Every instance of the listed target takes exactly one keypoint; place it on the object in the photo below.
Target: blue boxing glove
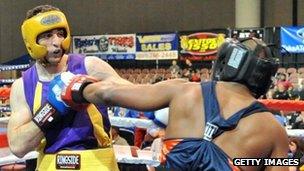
(57, 85)
(54, 108)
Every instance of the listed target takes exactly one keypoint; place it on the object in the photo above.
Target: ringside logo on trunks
(68, 161)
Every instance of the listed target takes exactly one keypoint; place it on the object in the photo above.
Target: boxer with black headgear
(74, 139)
(210, 123)
(237, 62)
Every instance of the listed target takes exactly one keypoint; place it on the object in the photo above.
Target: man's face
(282, 77)
(52, 41)
(281, 87)
(173, 62)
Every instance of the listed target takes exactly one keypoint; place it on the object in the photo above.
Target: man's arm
(101, 70)
(139, 97)
(23, 134)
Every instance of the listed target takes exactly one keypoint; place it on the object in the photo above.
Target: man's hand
(73, 94)
(54, 108)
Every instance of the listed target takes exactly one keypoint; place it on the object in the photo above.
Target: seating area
(295, 76)
(146, 76)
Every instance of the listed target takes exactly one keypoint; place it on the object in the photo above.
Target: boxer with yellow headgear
(73, 139)
(43, 22)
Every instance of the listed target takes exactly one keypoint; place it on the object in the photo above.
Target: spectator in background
(157, 79)
(296, 147)
(280, 92)
(195, 76)
(297, 91)
(151, 134)
(189, 69)
(189, 65)
(5, 94)
(294, 92)
(292, 118)
(116, 138)
(126, 132)
(157, 130)
(254, 34)
(282, 79)
(140, 133)
(298, 121)
(235, 37)
(269, 94)
(174, 69)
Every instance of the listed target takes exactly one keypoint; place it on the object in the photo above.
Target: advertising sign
(156, 46)
(110, 47)
(200, 45)
(292, 39)
(246, 33)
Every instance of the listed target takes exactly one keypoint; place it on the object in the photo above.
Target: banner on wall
(200, 45)
(246, 33)
(292, 39)
(159, 46)
(109, 47)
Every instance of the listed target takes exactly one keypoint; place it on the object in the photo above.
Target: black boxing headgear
(249, 62)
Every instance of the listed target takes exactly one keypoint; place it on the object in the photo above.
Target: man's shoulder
(92, 58)
(262, 132)
(92, 61)
(17, 83)
(188, 90)
(263, 123)
(17, 88)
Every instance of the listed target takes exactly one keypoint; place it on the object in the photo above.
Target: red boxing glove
(73, 94)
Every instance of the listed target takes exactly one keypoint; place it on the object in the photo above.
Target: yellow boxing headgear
(40, 23)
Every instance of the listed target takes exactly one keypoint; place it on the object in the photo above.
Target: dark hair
(40, 9)
(299, 142)
(157, 79)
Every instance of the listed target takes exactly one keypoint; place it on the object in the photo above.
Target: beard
(53, 57)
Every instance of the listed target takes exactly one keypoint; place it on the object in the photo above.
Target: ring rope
(7, 81)
(285, 105)
(4, 109)
(10, 159)
(144, 123)
(13, 67)
(130, 122)
(119, 121)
